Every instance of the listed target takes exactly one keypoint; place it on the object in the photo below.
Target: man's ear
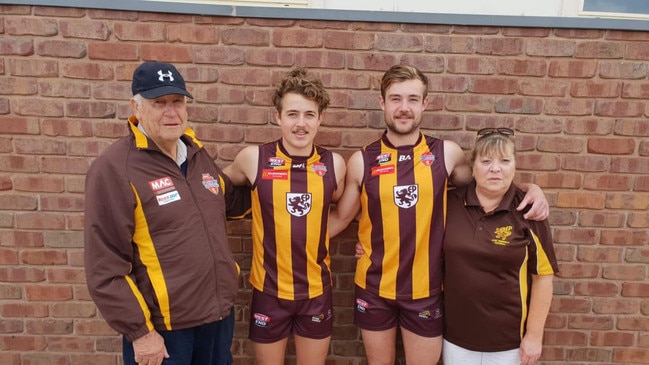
(134, 106)
(277, 116)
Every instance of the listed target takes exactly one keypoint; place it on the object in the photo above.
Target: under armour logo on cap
(162, 76)
(155, 79)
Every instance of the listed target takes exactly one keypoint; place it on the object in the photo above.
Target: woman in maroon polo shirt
(498, 267)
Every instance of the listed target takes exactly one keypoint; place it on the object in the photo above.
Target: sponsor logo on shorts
(435, 314)
(322, 317)
(361, 305)
(318, 319)
(261, 320)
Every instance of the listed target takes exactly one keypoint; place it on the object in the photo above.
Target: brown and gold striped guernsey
(403, 202)
(291, 197)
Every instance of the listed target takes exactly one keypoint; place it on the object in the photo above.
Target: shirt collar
(181, 150)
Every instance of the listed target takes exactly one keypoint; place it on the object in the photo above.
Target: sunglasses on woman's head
(502, 131)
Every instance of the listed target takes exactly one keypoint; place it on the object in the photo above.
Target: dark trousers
(207, 344)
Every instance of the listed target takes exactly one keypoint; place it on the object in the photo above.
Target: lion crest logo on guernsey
(406, 196)
(298, 204)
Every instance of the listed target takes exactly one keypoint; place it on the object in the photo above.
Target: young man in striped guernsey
(293, 185)
(400, 183)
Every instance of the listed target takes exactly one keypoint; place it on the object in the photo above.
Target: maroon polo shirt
(488, 262)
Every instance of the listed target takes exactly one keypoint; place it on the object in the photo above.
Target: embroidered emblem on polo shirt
(502, 234)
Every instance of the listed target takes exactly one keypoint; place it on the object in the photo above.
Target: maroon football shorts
(423, 317)
(272, 318)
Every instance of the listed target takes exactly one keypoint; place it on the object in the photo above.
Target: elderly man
(157, 260)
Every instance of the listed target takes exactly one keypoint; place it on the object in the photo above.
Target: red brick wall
(575, 97)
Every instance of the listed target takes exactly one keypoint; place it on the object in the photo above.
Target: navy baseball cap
(155, 79)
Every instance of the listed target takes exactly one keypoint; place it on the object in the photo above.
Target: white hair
(138, 99)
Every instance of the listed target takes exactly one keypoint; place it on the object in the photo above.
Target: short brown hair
(299, 81)
(493, 145)
(400, 73)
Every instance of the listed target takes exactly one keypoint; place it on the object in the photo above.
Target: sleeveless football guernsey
(291, 197)
(403, 209)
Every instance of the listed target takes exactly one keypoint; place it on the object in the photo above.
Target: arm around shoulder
(540, 209)
(243, 169)
(457, 165)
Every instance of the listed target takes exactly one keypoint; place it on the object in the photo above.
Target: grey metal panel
(345, 15)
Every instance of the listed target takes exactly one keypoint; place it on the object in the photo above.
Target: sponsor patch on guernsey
(270, 174)
(384, 158)
(427, 158)
(276, 162)
(167, 198)
(319, 168)
(382, 170)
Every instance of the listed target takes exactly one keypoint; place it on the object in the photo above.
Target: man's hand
(150, 349)
(540, 209)
(359, 250)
